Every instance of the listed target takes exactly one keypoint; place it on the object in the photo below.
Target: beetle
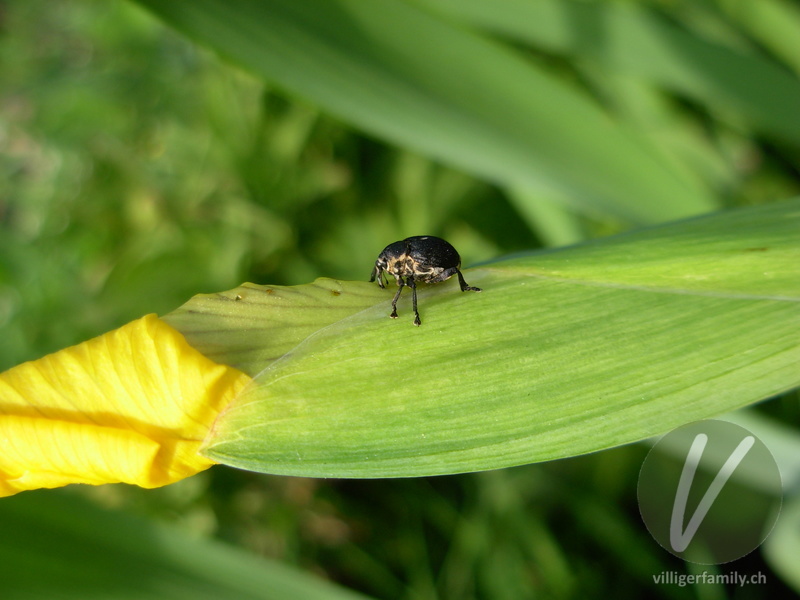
(418, 259)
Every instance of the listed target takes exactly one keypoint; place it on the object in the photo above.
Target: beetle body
(418, 259)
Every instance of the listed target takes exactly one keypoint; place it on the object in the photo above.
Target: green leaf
(415, 79)
(564, 352)
(632, 40)
(783, 545)
(252, 326)
(57, 545)
(772, 23)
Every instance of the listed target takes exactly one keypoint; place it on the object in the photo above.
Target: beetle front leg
(413, 285)
(400, 284)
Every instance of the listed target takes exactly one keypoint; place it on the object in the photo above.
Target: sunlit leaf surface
(563, 353)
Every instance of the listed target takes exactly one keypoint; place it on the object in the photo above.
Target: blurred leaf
(783, 546)
(774, 23)
(554, 223)
(58, 545)
(402, 73)
(628, 38)
(783, 442)
(563, 353)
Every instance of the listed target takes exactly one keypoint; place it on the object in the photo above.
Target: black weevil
(418, 259)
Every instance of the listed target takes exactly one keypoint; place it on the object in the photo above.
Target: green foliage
(107, 554)
(563, 353)
(632, 41)
(138, 170)
(476, 105)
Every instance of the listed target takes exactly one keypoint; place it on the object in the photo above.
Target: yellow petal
(133, 405)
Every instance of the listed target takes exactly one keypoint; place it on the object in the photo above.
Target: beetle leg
(463, 284)
(413, 285)
(400, 284)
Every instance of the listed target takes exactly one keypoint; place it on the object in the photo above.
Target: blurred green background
(138, 169)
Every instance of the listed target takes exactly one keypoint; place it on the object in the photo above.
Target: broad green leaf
(632, 40)
(57, 545)
(411, 77)
(252, 326)
(564, 352)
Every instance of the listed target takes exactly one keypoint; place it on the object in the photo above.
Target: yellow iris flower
(133, 405)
